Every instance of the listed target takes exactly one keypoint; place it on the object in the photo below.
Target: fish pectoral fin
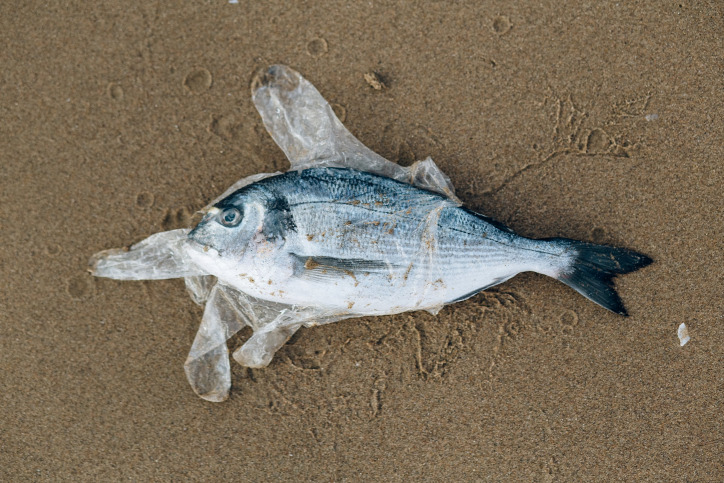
(331, 267)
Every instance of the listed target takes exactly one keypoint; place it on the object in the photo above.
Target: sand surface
(589, 121)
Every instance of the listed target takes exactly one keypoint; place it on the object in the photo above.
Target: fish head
(227, 228)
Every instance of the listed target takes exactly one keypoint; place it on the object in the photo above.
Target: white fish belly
(412, 273)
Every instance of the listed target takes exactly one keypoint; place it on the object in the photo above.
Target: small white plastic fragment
(683, 334)
(651, 117)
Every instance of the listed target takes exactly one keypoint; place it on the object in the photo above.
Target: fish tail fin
(593, 267)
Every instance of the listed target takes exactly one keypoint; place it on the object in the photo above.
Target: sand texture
(590, 120)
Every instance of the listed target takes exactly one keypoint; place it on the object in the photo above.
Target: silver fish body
(356, 242)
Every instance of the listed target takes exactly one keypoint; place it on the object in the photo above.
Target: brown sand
(120, 120)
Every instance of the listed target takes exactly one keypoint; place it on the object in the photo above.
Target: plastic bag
(305, 127)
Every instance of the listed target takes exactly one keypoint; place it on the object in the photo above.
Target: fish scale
(429, 250)
(458, 231)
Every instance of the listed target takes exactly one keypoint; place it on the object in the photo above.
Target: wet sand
(601, 123)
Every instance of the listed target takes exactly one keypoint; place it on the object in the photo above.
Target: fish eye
(230, 217)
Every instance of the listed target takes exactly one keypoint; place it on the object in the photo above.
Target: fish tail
(592, 268)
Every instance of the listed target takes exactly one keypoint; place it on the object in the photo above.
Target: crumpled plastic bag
(305, 127)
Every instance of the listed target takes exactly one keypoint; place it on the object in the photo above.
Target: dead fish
(344, 233)
(351, 241)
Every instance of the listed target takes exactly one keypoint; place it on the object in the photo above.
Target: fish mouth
(200, 237)
(201, 234)
(195, 234)
(198, 245)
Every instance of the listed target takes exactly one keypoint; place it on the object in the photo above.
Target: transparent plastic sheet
(305, 127)
(158, 257)
(199, 287)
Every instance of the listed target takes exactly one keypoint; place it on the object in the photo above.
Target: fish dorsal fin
(305, 127)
